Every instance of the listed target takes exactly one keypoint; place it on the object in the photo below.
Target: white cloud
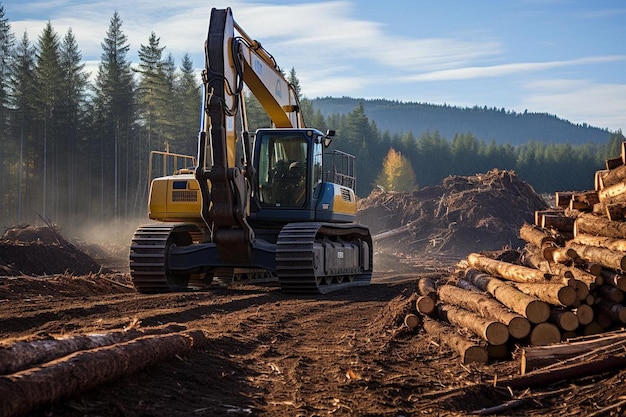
(579, 101)
(508, 69)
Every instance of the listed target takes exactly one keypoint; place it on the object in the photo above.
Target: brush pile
(567, 284)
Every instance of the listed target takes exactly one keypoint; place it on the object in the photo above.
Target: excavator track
(296, 263)
(148, 249)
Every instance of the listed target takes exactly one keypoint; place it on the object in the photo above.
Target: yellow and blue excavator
(279, 206)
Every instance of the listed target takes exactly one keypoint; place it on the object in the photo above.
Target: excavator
(276, 205)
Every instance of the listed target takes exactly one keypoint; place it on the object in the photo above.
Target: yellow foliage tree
(397, 173)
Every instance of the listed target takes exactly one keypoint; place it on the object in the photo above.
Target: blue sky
(563, 57)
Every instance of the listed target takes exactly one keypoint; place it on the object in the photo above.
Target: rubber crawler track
(147, 255)
(295, 263)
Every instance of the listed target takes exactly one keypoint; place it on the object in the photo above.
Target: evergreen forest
(75, 146)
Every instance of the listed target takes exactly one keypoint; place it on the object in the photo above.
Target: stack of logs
(567, 282)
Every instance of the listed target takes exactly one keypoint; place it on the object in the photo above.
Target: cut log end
(519, 327)
(497, 333)
(537, 311)
(475, 354)
(544, 334)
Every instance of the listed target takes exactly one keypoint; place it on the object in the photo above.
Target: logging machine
(277, 205)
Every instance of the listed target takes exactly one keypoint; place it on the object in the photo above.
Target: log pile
(567, 282)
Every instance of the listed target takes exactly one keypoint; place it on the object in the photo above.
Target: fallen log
(536, 236)
(606, 257)
(615, 211)
(559, 222)
(584, 314)
(614, 310)
(487, 307)
(555, 294)
(425, 304)
(562, 198)
(25, 354)
(597, 225)
(491, 331)
(559, 255)
(615, 279)
(392, 233)
(564, 319)
(611, 243)
(612, 177)
(511, 272)
(535, 310)
(469, 350)
(615, 295)
(26, 390)
(598, 181)
(412, 321)
(535, 357)
(544, 334)
(612, 191)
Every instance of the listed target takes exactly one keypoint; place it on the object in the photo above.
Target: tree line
(75, 145)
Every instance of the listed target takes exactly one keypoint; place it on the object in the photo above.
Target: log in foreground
(468, 350)
(555, 294)
(535, 310)
(26, 390)
(597, 225)
(518, 325)
(511, 272)
(607, 257)
(491, 331)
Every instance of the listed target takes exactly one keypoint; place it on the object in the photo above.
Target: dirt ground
(269, 353)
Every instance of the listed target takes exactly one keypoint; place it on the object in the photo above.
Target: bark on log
(614, 176)
(559, 255)
(598, 180)
(535, 310)
(25, 354)
(557, 222)
(536, 357)
(427, 287)
(487, 307)
(596, 225)
(615, 211)
(562, 198)
(536, 236)
(467, 349)
(544, 334)
(565, 319)
(578, 370)
(612, 191)
(615, 279)
(578, 278)
(606, 257)
(511, 272)
(555, 294)
(612, 243)
(613, 163)
(26, 390)
(616, 311)
(491, 331)
(615, 295)
(551, 211)
(392, 233)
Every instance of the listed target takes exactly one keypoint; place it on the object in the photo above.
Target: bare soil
(271, 354)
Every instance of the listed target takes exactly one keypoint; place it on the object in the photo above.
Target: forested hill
(486, 124)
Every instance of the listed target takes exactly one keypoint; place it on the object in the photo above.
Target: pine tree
(188, 103)
(23, 126)
(151, 90)
(113, 134)
(72, 114)
(49, 81)
(7, 41)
